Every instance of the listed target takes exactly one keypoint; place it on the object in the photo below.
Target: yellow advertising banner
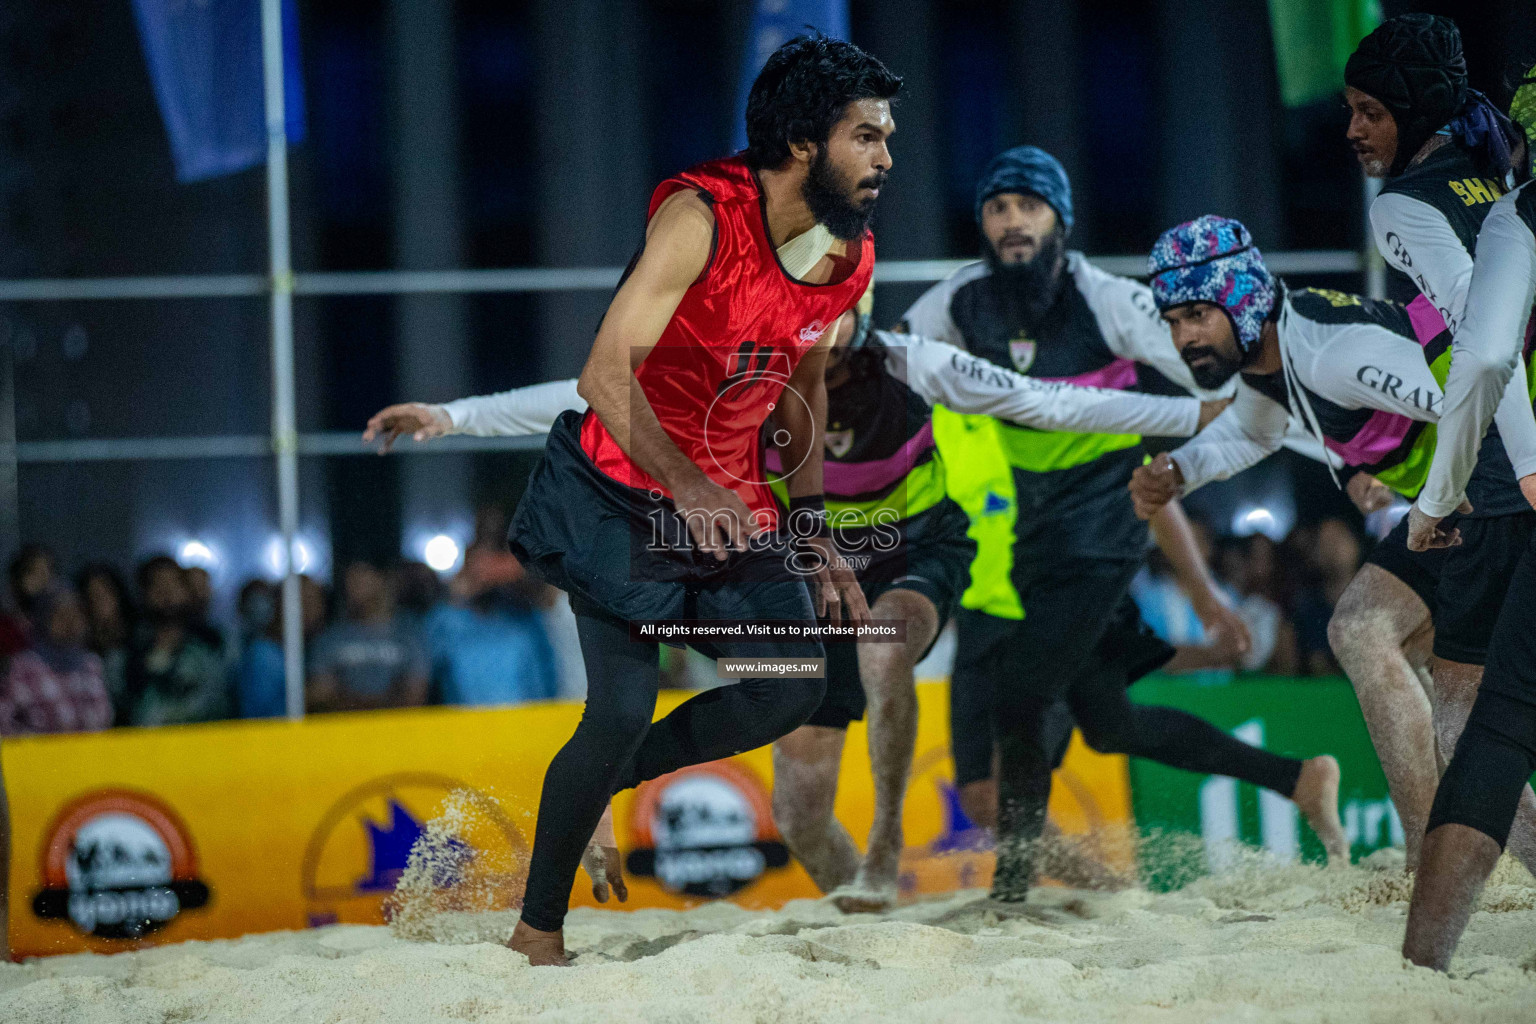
(141, 837)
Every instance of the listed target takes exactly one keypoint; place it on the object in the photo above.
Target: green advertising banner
(1298, 717)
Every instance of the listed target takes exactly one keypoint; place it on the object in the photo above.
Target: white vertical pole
(1375, 266)
(284, 431)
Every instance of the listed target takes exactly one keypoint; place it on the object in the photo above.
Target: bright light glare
(1252, 520)
(441, 553)
(1259, 519)
(197, 553)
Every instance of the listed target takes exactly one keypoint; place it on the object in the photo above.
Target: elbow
(596, 390)
(1497, 371)
(1482, 370)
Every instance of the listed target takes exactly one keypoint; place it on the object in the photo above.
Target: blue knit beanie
(1027, 169)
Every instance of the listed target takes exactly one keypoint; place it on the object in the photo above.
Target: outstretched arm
(944, 374)
(1416, 238)
(514, 413)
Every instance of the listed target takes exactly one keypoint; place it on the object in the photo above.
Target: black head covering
(1413, 65)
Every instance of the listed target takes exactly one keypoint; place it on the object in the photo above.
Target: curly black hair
(802, 91)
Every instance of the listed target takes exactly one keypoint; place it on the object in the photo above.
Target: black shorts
(1127, 643)
(626, 554)
(932, 559)
(1474, 581)
(1419, 569)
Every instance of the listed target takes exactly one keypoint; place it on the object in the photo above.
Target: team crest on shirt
(839, 442)
(812, 334)
(1022, 350)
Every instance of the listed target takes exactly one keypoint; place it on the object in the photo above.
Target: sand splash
(1263, 942)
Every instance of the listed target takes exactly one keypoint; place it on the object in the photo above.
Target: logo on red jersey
(812, 334)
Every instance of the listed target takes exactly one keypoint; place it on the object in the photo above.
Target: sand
(1294, 944)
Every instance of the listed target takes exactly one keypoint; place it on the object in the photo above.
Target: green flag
(1313, 39)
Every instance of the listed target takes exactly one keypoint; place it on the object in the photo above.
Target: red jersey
(721, 364)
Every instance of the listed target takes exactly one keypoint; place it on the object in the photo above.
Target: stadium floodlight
(197, 553)
(441, 553)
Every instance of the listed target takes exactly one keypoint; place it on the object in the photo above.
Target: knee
(1347, 628)
(621, 724)
(1358, 633)
(1107, 736)
(788, 702)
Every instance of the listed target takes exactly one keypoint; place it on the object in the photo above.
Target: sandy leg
(1456, 687)
(805, 769)
(886, 672)
(1376, 616)
(1456, 862)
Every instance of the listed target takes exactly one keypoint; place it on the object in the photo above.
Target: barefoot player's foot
(867, 893)
(874, 889)
(1317, 795)
(543, 949)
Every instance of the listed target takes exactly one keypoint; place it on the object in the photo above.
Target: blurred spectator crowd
(1284, 591)
(87, 651)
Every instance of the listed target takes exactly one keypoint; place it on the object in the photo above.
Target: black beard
(1215, 372)
(827, 196)
(1029, 290)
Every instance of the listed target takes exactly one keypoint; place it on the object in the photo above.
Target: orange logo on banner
(118, 864)
(706, 830)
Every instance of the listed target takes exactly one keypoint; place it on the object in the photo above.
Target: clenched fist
(1155, 485)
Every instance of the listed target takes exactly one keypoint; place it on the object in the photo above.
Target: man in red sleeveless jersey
(654, 504)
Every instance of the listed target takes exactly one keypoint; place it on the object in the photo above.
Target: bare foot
(861, 898)
(1317, 795)
(543, 949)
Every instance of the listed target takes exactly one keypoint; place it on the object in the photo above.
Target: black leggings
(616, 746)
(1051, 656)
(1496, 754)
(1114, 724)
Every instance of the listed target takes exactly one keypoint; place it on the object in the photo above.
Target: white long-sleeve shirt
(937, 372)
(1415, 238)
(1418, 239)
(1485, 360)
(1354, 367)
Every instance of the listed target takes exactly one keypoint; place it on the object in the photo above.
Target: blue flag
(205, 60)
(775, 23)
